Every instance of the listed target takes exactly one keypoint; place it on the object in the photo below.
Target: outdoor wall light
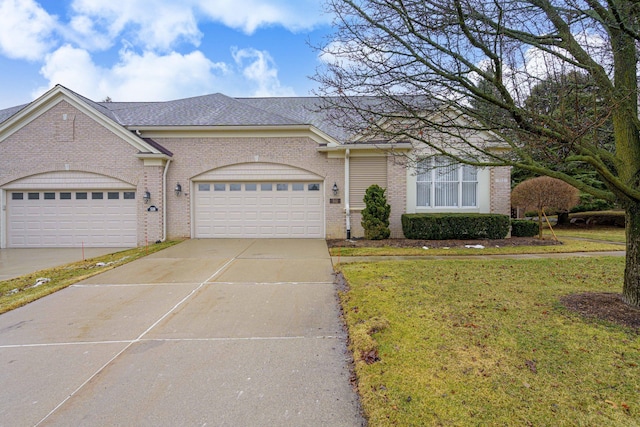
(178, 189)
(146, 197)
(335, 189)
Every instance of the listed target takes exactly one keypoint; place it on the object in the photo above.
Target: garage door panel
(314, 216)
(267, 215)
(51, 221)
(261, 211)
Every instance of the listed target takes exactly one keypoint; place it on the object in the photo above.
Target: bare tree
(543, 193)
(424, 64)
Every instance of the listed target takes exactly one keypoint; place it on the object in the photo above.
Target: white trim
(3, 219)
(61, 180)
(483, 195)
(381, 149)
(257, 171)
(347, 190)
(264, 131)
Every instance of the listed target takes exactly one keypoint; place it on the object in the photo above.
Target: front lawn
(487, 342)
(605, 234)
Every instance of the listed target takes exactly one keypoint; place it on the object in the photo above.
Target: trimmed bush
(606, 218)
(523, 228)
(444, 226)
(375, 216)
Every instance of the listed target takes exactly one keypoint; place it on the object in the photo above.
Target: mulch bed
(435, 244)
(604, 306)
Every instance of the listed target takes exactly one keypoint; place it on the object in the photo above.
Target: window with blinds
(364, 172)
(443, 183)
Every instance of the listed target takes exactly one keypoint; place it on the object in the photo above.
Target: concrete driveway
(16, 262)
(208, 332)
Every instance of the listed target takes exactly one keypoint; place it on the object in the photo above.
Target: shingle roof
(5, 114)
(208, 110)
(221, 110)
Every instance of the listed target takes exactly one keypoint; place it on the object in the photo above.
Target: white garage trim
(258, 171)
(67, 179)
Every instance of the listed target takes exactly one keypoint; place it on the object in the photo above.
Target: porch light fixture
(178, 189)
(335, 189)
(146, 197)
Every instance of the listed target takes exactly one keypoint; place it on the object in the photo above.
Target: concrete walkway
(208, 332)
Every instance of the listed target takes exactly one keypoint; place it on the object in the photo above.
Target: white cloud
(152, 24)
(259, 68)
(150, 76)
(161, 24)
(160, 77)
(136, 77)
(83, 32)
(248, 15)
(153, 65)
(25, 29)
(74, 68)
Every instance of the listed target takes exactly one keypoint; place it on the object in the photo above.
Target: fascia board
(403, 146)
(234, 132)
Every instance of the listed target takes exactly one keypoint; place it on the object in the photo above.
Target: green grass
(487, 343)
(568, 245)
(19, 291)
(608, 234)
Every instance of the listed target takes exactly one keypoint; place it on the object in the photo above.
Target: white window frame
(436, 174)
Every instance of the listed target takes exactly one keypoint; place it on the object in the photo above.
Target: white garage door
(98, 218)
(259, 209)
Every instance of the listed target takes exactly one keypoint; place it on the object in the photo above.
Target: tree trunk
(563, 218)
(631, 288)
(540, 223)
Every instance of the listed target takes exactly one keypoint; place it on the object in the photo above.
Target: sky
(157, 50)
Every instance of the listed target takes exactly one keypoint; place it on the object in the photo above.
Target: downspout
(346, 193)
(164, 201)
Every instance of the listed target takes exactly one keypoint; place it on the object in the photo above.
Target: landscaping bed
(435, 244)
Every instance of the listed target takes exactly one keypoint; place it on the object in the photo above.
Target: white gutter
(346, 193)
(164, 200)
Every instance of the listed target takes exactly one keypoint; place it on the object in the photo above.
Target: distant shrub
(589, 203)
(523, 228)
(455, 226)
(544, 194)
(603, 218)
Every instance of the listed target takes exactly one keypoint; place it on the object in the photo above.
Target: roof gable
(26, 114)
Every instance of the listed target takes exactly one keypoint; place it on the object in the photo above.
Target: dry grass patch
(488, 343)
(22, 290)
(567, 246)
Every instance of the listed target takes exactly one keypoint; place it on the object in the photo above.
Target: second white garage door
(259, 210)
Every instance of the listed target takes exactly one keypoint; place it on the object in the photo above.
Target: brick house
(77, 172)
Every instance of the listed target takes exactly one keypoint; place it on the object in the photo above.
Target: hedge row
(523, 228)
(455, 226)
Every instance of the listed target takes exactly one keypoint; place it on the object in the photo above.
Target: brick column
(152, 220)
(396, 193)
(501, 190)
